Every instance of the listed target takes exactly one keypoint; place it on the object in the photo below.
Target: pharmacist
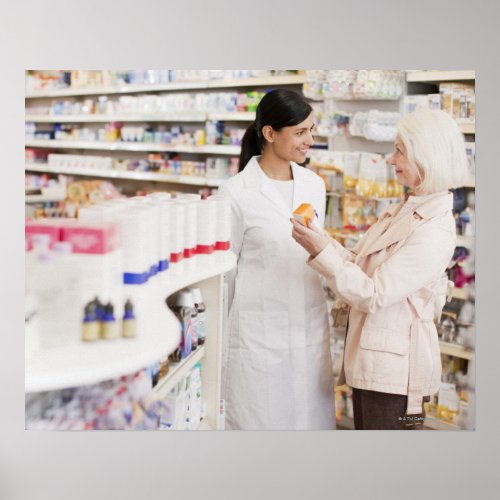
(278, 370)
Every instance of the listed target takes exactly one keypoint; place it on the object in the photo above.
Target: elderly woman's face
(406, 174)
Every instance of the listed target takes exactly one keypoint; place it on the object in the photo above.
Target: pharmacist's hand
(312, 240)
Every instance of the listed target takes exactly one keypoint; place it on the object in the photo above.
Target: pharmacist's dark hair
(278, 108)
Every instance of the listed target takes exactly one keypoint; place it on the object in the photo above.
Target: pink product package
(92, 240)
(32, 228)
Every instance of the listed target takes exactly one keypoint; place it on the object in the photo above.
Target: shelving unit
(419, 80)
(78, 363)
(125, 150)
(455, 350)
(45, 194)
(178, 371)
(130, 175)
(164, 117)
(440, 76)
(174, 86)
(134, 146)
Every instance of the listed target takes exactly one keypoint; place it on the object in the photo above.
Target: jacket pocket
(376, 338)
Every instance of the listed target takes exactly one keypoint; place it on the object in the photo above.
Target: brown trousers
(382, 411)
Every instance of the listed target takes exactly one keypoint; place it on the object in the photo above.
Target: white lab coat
(277, 372)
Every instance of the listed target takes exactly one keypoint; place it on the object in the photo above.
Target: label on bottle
(194, 329)
(202, 316)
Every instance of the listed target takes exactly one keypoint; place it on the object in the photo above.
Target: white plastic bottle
(202, 316)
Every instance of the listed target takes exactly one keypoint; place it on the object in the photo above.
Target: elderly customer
(393, 281)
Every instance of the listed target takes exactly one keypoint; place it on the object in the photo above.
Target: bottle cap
(184, 299)
(108, 312)
(90, 312)
(197, 297)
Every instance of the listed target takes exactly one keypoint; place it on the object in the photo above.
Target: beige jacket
(394, 282)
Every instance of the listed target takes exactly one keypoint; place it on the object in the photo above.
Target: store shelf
(142, 147)
(439, 76)
(455, 350)
(163, 117)
(199, 274)
(245, 116)
(177, 371)
(124, 174)
(210, 84)
(156, 117)
(125, 89)
(258, 82)
(434, 423)
(467, 128)
(466, 241)
(46, 194)
(80, 363)
(459, 293)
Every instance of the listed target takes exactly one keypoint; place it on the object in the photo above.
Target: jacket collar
(390, 228)
(254, 177)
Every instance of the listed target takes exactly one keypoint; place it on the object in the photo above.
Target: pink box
(33, 227)
(92, 240)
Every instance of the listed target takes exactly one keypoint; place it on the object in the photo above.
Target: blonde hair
(434, 145)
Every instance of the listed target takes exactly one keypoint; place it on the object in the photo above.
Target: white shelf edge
(195, 276)
(81, 363)
(232, 116)
(455, 350)
(211, 84)
(466, 241)
(459, 293)
(177, 371)
(439, 76)
(140, 147)
(130, 175)
(467, 128)
(165, 117)
(48, 194)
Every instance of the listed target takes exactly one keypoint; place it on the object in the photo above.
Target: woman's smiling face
(406, 174)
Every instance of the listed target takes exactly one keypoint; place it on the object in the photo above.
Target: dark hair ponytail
(251, 145)
(278, 108)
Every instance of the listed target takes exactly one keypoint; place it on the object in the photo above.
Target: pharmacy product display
(353, 84)
(453, 406)
(127, 403)
(134, 80)
(97, 289)
(183, 129)
(181, 125)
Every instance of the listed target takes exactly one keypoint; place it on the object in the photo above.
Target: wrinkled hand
(311, 239)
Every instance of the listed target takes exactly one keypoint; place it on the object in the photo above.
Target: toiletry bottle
(194, 324)
(90, 327)
(129, 327)
(99, 312)
(201, 319)
(183, 309)
(109, 325)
